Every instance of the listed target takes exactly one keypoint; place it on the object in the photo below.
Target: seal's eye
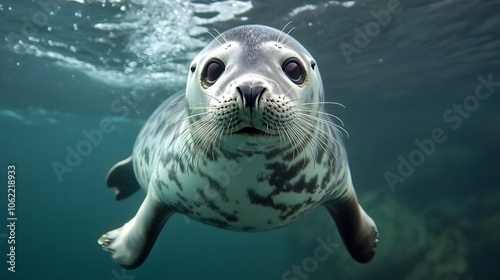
(213, 70)
(293, 69)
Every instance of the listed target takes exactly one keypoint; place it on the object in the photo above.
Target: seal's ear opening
(193, 68)
(313, 64)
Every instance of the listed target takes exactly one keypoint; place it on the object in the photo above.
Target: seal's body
(247, 147)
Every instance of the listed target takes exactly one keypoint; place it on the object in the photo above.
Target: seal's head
(254, 81)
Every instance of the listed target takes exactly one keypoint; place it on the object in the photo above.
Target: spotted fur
(266, 189)
(237, 159)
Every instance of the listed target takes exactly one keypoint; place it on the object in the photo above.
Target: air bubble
(132, 64)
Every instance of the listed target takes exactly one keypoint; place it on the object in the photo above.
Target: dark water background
(116, 60)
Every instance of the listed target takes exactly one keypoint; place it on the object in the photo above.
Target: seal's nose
(250, 95)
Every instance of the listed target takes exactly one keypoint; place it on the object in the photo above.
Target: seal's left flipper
(121, 177)
(357, 229)
(130, 245)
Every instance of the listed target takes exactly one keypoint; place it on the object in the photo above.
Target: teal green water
(419, 79)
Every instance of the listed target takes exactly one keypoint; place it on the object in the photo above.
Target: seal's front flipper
(121, 177)
(130, 245)
(357, 229)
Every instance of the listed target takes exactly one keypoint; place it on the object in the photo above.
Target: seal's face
(254, 82)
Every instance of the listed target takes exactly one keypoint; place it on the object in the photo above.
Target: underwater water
(420, 81)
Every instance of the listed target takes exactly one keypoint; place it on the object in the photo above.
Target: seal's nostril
(250, 95)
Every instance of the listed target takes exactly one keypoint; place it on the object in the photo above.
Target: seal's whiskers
(296, 135)
(215, 38)
(221, 35)
(280, 41)
(183, 110)
(176, 123)
(188, 136)
(333, 125)
(317, 134)
(202, 139)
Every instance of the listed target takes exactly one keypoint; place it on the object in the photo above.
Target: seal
(247, 147)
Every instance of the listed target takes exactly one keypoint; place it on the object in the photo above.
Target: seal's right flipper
(121, 177)
(357, 229)
(130, 245)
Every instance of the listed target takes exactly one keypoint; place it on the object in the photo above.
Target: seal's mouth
(250, 131)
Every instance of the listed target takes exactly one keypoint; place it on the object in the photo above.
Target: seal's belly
(240, 195)
(241, 192)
